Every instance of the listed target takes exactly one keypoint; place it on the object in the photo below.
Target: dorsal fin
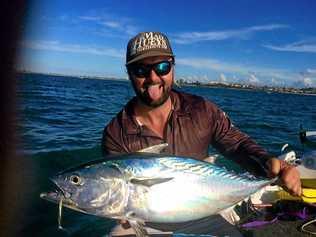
(156, 149)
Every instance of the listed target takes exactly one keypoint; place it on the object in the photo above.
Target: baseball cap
(147, 44)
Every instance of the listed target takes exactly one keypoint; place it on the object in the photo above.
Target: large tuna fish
(143, 187)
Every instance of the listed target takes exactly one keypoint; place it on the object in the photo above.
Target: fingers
(291, 181)
(289, 175)
(125, 224)
(274, 167)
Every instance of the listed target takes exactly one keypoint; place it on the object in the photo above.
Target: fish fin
(139, 228)
(156, 149)
(211, 159)
(230, 215)
(149, 181)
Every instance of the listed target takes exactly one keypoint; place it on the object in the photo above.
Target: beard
(145, 98)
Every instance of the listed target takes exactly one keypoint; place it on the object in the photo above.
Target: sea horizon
(214, 84)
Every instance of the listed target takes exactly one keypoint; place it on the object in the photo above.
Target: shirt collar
(129, 123)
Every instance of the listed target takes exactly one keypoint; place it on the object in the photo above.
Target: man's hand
(125, 224)
(288, 174)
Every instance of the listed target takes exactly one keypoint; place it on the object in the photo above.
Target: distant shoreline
(235, 86)
(267, 89)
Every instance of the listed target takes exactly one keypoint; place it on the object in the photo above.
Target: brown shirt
(194, 124)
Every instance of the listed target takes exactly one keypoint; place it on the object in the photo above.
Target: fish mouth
(62, 198)
(59, 195)
(55, 197)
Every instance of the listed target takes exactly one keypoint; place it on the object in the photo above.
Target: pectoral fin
(230, 214)
(149, 181)
(139, 228)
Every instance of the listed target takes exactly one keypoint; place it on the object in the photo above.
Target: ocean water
(61, 120)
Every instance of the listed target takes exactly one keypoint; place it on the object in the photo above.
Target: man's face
(152, 79)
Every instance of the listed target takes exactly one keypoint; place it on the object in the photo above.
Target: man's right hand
(125, 224)
(289, 175)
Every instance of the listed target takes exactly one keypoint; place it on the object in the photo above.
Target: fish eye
(75, 179)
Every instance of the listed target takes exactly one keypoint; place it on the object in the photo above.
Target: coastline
(267, 89)
(247, 87)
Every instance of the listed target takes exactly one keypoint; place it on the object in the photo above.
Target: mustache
(148, 84)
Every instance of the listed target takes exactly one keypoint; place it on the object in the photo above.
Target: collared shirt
(194, 123)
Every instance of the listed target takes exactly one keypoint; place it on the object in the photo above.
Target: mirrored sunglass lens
(163, 68)
(139, 71)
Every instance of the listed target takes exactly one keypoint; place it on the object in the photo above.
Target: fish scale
(203, 168)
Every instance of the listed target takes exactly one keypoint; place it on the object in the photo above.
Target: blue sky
(258, 42)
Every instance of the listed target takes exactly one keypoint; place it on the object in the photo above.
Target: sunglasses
(143, 70)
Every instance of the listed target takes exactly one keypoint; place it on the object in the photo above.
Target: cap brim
(147, 55)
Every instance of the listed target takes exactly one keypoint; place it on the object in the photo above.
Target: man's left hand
(288, 174)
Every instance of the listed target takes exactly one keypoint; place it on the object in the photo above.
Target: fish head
(93, 189)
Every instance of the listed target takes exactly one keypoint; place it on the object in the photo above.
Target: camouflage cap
(147, 44)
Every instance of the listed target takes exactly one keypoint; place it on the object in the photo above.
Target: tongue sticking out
(155, 92)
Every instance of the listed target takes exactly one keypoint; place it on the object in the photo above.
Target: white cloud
(204, 78)
(308, 73)
(73, 48)
(110, 22)
(222, 78)
(113, 24)
(247, 73)
(243, 33)
(306, 78)
(253, 79)
(305, 82)
(210, 64)
(301, 47)
(308, 81)
(311, 71)
(90, 18)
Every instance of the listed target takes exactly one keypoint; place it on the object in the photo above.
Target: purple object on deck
(255, 224)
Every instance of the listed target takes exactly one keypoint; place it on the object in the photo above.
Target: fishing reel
(308, 156)
(289, 156)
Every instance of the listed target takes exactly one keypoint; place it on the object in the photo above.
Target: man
(188, 123)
